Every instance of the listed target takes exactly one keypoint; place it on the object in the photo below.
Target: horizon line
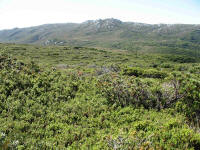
(97, 20)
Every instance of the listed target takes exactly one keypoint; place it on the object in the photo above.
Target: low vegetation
(86, 98)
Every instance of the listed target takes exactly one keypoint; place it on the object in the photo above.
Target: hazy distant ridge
(107, 33)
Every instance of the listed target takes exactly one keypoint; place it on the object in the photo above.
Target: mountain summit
(109, 23)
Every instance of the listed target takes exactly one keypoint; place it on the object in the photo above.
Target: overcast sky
(24, 13)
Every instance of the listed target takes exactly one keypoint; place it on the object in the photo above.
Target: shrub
(195, 69)
(190, 103)
(137, 93)
(146, 73)
(122, 92)
(182, 59)
(182, 68)
(152, 73)
(166, 65)
(133, 71)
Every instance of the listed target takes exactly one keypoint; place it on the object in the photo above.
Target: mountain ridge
(109, 33)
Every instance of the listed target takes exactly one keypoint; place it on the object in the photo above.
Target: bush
(182, 59)
(146, 73)
(190, 103)
(133, 71)
(166, 65)
(138, 93)
(195, 69)
(151, 73)
(123, 92)
(182, 68)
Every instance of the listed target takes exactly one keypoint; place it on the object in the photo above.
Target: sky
(25, 13)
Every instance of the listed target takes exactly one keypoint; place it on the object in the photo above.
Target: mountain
(110, 33)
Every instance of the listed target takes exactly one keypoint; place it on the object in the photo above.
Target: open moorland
(74, 97)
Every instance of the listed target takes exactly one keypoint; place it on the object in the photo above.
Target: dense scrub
(114, 107)
(148, 73)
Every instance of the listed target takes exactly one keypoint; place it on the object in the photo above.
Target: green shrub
(146, 73)
(182, 59)
(138, 93)
(182, 68)
(133, 71)
(166, 65)
(151, 73)
(195, 69)
(190, 103)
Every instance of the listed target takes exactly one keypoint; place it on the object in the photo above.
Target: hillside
(110, 33)
(63, 97)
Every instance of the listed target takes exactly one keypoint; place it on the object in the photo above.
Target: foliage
(96, 105)
(133, 72)
(146, 73)
(190, 103)
(182, 59)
